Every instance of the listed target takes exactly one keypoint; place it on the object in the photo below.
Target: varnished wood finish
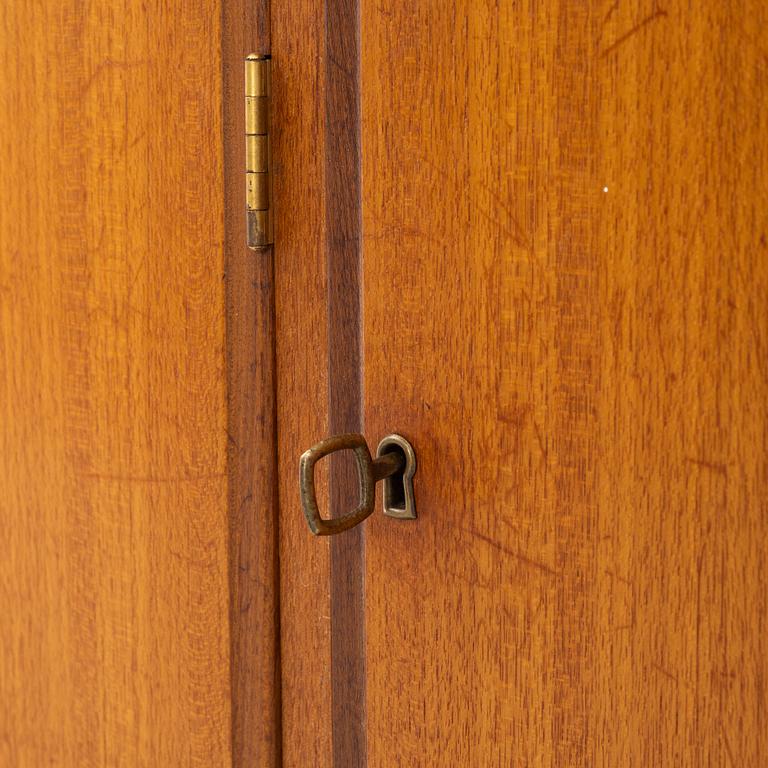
(114, 390)
(251, 431)
(319, 366)
(565, 303)
(564, 288)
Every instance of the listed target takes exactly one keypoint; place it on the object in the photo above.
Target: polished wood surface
(564, 285)
(114, 585)
(566, 309)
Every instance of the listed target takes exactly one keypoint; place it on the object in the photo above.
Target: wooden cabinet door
(532, 238)
(135, 438)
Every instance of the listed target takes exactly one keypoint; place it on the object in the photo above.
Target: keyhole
(398, 488)
(394, 486)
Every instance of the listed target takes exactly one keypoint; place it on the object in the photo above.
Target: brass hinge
(258, 158)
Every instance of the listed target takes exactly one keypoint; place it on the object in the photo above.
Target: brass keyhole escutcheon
(395, 464)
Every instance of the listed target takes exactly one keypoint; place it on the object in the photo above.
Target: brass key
(395, 463)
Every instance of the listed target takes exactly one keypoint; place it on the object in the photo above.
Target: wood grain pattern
(252, 460)
(114, 592)
(319, 367)
(564, 294)
(565, 284)
(580, 284)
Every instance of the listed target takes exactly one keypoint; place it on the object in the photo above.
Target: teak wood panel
(564, 284)
(127, 433)
(572, 327)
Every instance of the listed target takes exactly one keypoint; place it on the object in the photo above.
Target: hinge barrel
(258, 158)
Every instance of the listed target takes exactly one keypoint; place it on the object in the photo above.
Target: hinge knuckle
(258, 160)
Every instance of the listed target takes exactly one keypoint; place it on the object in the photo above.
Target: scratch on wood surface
(622, 579)
(727, 746)
(627, 35)
(665, 672)
(342, 68)
(614, 7)
(109, 64)
(516, 233)
(669, 675)
(517, 555)
(540, 440)
(715, 466)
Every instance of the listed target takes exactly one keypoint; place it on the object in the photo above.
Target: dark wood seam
(343, 213)
(251, 425)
